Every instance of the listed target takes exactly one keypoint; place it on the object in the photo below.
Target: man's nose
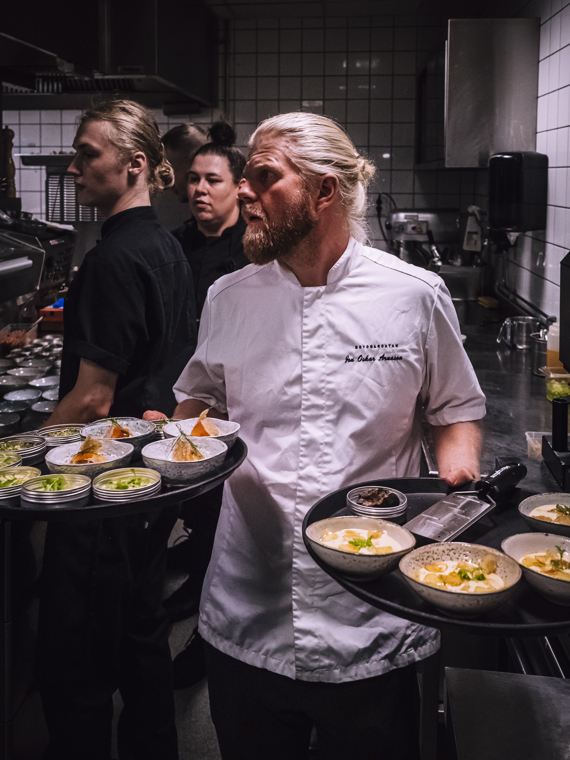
(245, 191)
(73, 168)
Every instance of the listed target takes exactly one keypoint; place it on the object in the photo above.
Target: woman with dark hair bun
(212, 242)
(212, 239)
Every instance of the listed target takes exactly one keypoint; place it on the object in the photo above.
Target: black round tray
(167, 497)
(525, 614)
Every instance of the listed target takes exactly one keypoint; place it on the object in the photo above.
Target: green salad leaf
(361, 542)
(52, 483)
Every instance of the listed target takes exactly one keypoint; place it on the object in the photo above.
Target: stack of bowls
(28, 446)
(54, 434)
(75, 492)
(101, 484)
(10, 494)
(360, 501)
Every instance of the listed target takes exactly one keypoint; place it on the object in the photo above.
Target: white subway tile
(29, 117)
(50, 135)
(544, 40)
(565, 66)
(542, 113)
(543, 76)
(552, 110)
(565, 26)
(29, 136)
(555, 33)
(541, 138)
(50, 116)
(9, 118)
(554, 72)
(564, 107)
(551, 140)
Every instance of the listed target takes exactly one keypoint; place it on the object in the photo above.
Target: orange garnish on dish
(89, 452)
(204, 427)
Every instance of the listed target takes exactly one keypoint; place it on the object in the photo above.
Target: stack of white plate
(54, 434)
(74, 491)
(360, 501)
(10, 495)
(29, 446)
(151, 486)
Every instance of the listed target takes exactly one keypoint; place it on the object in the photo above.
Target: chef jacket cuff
(98, 355)
(180, 396)
(451, 416)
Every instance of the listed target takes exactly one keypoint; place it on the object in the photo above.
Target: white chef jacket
(327, 384)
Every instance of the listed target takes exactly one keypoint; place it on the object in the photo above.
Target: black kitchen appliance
(518, 184)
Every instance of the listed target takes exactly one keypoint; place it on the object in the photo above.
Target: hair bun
(222, 133)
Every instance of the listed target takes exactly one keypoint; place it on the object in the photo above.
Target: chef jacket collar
(337, 272)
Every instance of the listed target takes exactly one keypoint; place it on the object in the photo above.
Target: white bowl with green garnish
(140, 432)
(11, 481)
(126, 484)
(351, 554)
(547, 505)
(57, 490)
(473, 579)
(158, 456)
(553, 556)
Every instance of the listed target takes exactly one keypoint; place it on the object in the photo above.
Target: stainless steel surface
(449, 517)
(413, 224)
(492, 81)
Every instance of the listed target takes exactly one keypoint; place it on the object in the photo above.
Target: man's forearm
(458, 450)
(191, 407)
(78, 407)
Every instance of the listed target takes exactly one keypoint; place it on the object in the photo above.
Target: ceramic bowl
(554, 589)
(462, 604)
(9, 422)
(9, 383)
(30, 373)
(142, 431)
(14, 407)
(26, 362)
(539, 500)
(360, 566)
(52, 394)
(6, 364)
(43, 383)
(118, 453)
(28, 395)
(228, 430)
(157, 456)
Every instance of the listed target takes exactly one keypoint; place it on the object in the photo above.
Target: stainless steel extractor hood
(162, 52)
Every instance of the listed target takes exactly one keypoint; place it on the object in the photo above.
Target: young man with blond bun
(329, 351)
(129, 329)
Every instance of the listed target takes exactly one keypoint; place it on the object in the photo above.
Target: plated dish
(11, 481)
(184, 459)
(137, 432)
(463, 579)
(204, 427)
(89, 457)
(360, 547)
(545, 562)
(547, 512)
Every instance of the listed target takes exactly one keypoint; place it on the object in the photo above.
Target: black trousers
(260, 715)
(201, 515)
(102, 628)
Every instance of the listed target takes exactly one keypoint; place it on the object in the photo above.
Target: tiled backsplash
(362, 73)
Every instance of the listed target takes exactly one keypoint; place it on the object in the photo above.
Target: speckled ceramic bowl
(360, 566)
(143, 431)
(30, 373)
(43, 383)
(228, 430)
(9, 383)
(118, 453)
(462, 604)
(539, 500)
(554, 589)
(28, 395)
(157, 456)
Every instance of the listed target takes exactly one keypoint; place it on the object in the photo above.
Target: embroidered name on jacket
(393, 354)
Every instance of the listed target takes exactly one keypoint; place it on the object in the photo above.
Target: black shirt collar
(123, 218)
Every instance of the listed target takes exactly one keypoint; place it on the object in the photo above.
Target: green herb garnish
(195, 450)
(8, 480)
(63, 433)
(471, 575)
(361, 542)
(563, 509)
(16, 445)
(52, 483)
(126, 482)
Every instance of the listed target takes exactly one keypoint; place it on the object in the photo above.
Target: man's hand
(187, 409)
(151, 414)
(458, 450)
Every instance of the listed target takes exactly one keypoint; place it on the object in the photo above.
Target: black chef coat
(211, 257)
(130, 309)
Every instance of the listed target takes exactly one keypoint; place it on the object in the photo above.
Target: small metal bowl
(103, 492)
(10, 494)
(395, 513)
(74, 491)
(10, 460)
(29, 446)
(54, 434)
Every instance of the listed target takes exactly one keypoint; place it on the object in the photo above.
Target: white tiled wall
(359, 71)
(533, 266)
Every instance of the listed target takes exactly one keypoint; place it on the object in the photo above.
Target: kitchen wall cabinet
(479, 97)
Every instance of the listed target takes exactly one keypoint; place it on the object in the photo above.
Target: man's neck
(125, 202)
(313, 259)
(216, 228)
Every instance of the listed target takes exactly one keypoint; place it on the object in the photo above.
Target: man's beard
(278, 238)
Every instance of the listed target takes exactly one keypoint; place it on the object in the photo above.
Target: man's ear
(327, 191)
(137, 163)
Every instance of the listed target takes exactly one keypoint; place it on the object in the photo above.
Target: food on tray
(205, 427)
(360, 541)
(117, 431)
(63, 433)
(556, 513)
(89, 453)
(126, 482)
(10, 479)
(52, 483)
(377, 497)
(7, 460)
(16, 445)
(551, 563)
(462, 576)
(184, 450)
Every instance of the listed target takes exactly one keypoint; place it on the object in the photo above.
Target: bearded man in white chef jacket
(325, 351)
